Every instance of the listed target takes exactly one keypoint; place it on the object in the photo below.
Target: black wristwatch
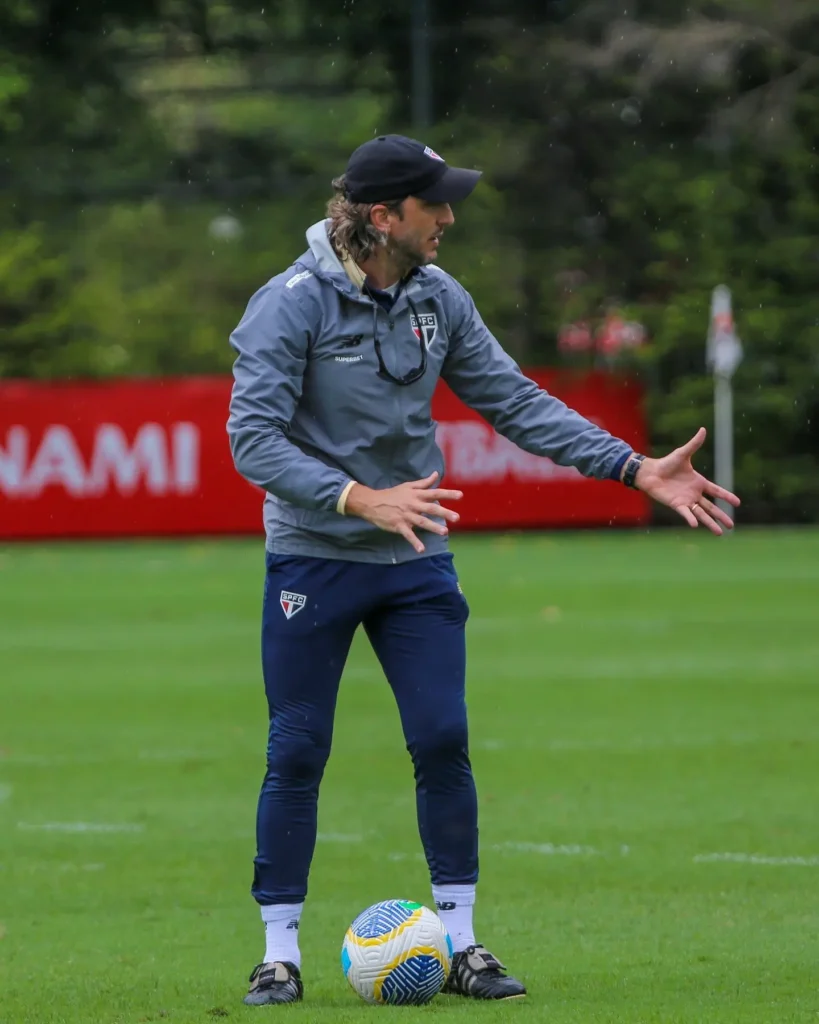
(633, 463)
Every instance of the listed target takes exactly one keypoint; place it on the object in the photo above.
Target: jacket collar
(424, 282)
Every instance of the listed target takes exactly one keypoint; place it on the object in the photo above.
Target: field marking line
(59, 760)
(79, 826)
(339, 837)
(6, 789)
(549, 849)
(61, 866)
(182, 754)
(560, 670)
(756, 858)
(554, 745)
(638, 744)
(119, 756)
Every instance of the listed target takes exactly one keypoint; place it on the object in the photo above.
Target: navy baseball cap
(395, 167)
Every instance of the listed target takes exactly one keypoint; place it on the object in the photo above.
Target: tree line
(160, 159)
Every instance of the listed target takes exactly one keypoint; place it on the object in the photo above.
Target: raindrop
(591, 227)
(630, 113)
(226, 228)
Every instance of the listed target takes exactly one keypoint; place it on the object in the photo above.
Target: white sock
(454, 907)
(281, 932)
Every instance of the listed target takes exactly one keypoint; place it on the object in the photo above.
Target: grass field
(645, 723)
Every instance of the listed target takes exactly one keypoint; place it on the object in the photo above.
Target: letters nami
(164, 460)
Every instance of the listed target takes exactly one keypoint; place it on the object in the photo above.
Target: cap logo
(433, 154)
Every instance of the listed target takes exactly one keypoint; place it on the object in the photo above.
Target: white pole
(723, 355)
(724, 437)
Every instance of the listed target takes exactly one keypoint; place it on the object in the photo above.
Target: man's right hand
(404, 508)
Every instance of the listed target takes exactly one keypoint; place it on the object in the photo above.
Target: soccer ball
(397, 952)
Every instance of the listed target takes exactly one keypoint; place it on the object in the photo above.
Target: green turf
(637, 702)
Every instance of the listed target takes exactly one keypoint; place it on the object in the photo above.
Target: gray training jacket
(309, 413)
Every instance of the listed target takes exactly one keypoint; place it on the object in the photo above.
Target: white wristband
(342, 501)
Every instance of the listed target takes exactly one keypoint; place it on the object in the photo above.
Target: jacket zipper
(397, 443)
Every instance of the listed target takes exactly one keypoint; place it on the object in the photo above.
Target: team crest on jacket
(425, 326)
(292, 603)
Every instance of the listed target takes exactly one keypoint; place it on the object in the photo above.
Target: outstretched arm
(488, 380)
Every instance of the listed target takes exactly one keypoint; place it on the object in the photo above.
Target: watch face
(632, 466)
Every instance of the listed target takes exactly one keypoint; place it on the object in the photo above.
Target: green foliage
(642, 182)
(628, 163)
(169, 307)
(13, 85)
(34, 312)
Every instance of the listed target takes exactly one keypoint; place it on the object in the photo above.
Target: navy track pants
(415, 616)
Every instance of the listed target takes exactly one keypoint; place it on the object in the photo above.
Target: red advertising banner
(142, 458)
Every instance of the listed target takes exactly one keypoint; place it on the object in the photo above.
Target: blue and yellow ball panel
(413, 982)
(383, 919)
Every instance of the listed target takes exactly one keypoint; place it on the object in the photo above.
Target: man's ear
(380, 217)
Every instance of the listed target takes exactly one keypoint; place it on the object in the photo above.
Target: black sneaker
(479, 975)
(274, 983)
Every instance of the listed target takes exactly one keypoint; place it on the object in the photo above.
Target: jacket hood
(327, 262)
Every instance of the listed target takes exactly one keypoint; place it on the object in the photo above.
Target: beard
(406, 255)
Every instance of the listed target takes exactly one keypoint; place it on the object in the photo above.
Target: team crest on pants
(292, 603)
(425, 326)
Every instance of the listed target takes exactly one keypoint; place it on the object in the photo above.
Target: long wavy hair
(351, 229)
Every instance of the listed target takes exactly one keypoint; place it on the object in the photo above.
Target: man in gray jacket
(337, 362)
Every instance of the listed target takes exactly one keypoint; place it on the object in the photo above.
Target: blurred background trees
(160, 159)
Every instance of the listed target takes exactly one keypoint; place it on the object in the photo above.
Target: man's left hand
(674, 482)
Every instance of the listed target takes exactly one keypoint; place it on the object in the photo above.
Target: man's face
(414, 234)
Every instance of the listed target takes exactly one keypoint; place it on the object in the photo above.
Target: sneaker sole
(496, 999)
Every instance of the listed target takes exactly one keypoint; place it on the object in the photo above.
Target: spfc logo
(425, 326)
(292, 603)
(433, 154)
